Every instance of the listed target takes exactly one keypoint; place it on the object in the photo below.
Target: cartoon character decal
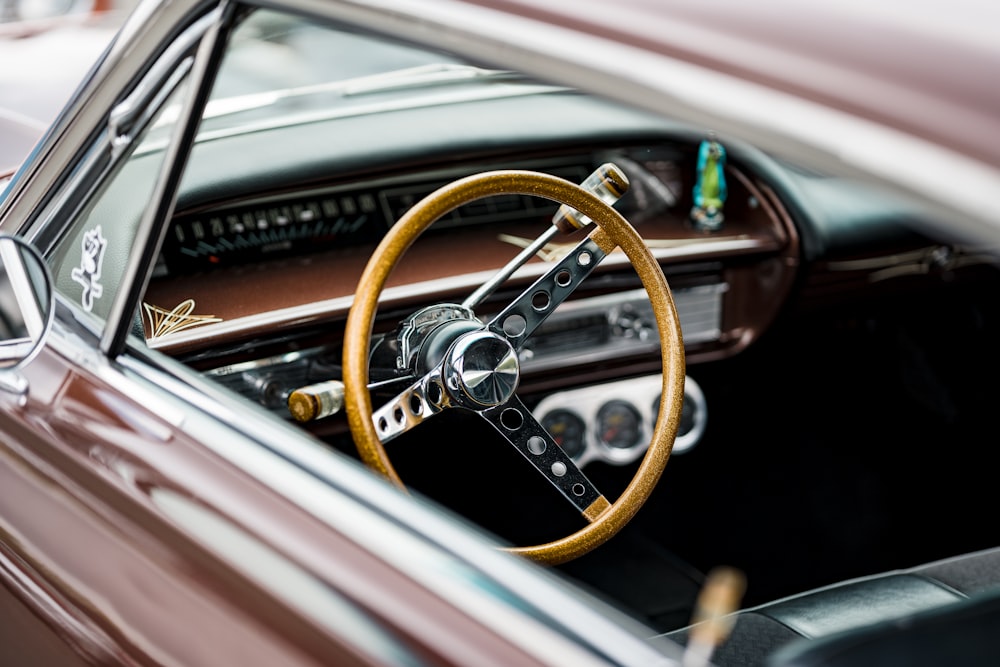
(88, 274)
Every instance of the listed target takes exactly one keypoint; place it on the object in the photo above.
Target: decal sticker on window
(88, 274)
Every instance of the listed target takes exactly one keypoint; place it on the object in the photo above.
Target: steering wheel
(461, 362)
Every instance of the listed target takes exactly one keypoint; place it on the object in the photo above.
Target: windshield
(288, 68)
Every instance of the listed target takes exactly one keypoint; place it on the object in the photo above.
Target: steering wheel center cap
(481, 370)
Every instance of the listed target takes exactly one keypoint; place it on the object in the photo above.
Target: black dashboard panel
(251, 232)
(338, 217)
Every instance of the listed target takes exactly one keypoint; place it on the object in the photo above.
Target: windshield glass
(288, 68)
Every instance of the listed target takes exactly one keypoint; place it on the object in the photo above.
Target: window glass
(89, 261)
(289, 68)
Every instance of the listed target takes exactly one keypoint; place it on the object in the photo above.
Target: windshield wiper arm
(422, 76)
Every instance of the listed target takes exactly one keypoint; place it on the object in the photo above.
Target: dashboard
(275, 274)
(312, 244)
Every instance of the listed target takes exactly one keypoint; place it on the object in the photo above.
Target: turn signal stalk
(316, 401)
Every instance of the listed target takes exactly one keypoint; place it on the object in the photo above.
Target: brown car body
(137, 530)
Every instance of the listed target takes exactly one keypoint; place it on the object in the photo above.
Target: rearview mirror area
(26, 308)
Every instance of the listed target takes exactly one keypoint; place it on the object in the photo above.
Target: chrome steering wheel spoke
(519, 320)
(411, 407)
(519, 427)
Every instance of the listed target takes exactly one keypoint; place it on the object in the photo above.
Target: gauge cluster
(340, 216)
(613, 422)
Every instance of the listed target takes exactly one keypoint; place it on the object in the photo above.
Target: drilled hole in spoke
(397, 414)
(578, 490)
(511, 419)
(434, 393)
(564, 278)
(515, 325)
(540, 301)
(383, 425)
(536, 445)
(584, 258)
(559, 469)
(416, 406)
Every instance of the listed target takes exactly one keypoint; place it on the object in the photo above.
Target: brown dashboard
(261, 268)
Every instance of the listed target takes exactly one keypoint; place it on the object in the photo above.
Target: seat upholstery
(962, 633)
(853, 606)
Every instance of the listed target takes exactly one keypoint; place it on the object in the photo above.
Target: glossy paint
(121, 535)
(141, 517)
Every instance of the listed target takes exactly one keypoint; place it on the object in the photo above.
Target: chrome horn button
(481, 370)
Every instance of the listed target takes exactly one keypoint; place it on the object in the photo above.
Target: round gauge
(567, 429)
(619, 425)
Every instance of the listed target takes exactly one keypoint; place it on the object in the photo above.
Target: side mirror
(27, 304)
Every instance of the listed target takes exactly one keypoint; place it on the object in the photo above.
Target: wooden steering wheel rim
(612, 231)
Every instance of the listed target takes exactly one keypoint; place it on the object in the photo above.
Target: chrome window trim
(153, 226)
(107, 151)
(44, 233)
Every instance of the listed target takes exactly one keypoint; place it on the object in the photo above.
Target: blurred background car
(46, 49)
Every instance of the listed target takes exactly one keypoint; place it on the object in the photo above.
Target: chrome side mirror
(27, 304)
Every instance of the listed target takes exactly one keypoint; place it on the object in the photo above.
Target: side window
(89, 261)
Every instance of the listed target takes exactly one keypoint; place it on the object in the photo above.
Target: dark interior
(846, 442)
